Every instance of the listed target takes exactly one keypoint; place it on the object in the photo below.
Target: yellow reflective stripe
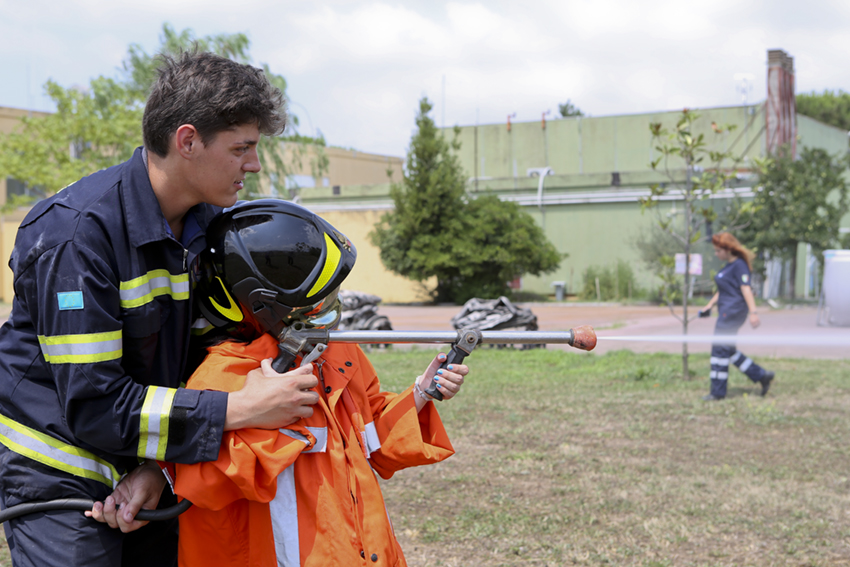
(153, 427)
(66, 186)
(232, 311)
(50, 451)
(331, 263)
(144, 289)
(81, 349)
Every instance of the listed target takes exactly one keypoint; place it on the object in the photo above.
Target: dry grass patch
(566, 459)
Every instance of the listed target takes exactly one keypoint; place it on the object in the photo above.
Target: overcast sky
(356, 69)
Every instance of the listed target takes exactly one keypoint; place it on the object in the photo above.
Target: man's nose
(252, 164)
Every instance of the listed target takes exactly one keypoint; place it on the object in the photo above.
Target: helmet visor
(324, 314)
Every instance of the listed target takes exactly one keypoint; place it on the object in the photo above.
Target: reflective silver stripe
(746, 364)
(320, 434)
(737, 356)
(284, 515)
(712, 374)
(371, 439)
(81, 349)
(720, 361)
(722, 375)
(54, 453)
(144, 289)
(154, 422)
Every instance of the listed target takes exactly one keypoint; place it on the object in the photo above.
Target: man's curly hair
(212, 94)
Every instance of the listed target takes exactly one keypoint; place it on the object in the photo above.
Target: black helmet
(269, 263)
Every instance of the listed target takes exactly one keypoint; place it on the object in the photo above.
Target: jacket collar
(144, 218)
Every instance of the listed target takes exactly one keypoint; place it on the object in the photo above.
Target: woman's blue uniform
(732, 313)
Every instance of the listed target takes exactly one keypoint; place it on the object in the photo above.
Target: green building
(581, 178)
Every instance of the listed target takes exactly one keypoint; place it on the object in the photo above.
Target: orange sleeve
(247, 467)
(407, 439)
(249, 460)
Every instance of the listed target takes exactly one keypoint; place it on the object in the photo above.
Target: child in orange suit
(307, 494)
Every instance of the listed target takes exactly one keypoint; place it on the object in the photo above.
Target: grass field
(573, 459)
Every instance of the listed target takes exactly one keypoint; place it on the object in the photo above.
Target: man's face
(218, 172)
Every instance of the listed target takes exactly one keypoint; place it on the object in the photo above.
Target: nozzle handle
(455, 356)
(467, 340)
(284, 360)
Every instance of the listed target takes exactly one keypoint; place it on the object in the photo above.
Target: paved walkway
(794, 332)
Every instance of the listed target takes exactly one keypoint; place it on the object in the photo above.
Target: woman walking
(735, 301)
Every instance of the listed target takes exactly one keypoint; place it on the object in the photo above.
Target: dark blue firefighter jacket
(731, 307)
(96, 347)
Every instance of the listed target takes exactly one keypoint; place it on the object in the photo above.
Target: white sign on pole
(696, 264)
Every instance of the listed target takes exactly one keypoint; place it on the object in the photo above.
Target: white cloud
(356, 69)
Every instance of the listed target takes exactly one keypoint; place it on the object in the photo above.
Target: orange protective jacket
(307, 494)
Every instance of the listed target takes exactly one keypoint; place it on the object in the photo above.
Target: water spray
(765, 340)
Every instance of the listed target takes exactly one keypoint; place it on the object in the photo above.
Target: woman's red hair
(728, 242)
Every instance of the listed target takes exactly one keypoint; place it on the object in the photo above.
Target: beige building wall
(369, 274)
(344, 167)
(9, 120)
(350, 167)
(9, 224)
(10, 117)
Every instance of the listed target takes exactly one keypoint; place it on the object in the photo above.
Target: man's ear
(186, 141)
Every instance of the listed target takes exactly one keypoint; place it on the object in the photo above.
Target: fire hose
(299, 339)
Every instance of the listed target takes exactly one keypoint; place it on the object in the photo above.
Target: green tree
(90, 130)
(798, 201)
(828, 107)
(568, 109)
(472, 247)
(100, 126)
(694, 173)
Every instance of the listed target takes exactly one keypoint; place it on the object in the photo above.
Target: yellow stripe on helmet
(328, 270)
(231, 312)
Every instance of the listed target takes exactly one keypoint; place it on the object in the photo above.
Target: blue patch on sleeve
(70, 300)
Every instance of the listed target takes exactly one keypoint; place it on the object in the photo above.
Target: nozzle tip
(584, 337)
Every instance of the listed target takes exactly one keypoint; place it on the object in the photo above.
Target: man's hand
(269, 400)
(754, 320)
(138, 490)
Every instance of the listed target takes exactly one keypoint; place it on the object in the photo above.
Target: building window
(25, 193)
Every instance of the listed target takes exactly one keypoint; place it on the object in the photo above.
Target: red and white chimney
(780, 107)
